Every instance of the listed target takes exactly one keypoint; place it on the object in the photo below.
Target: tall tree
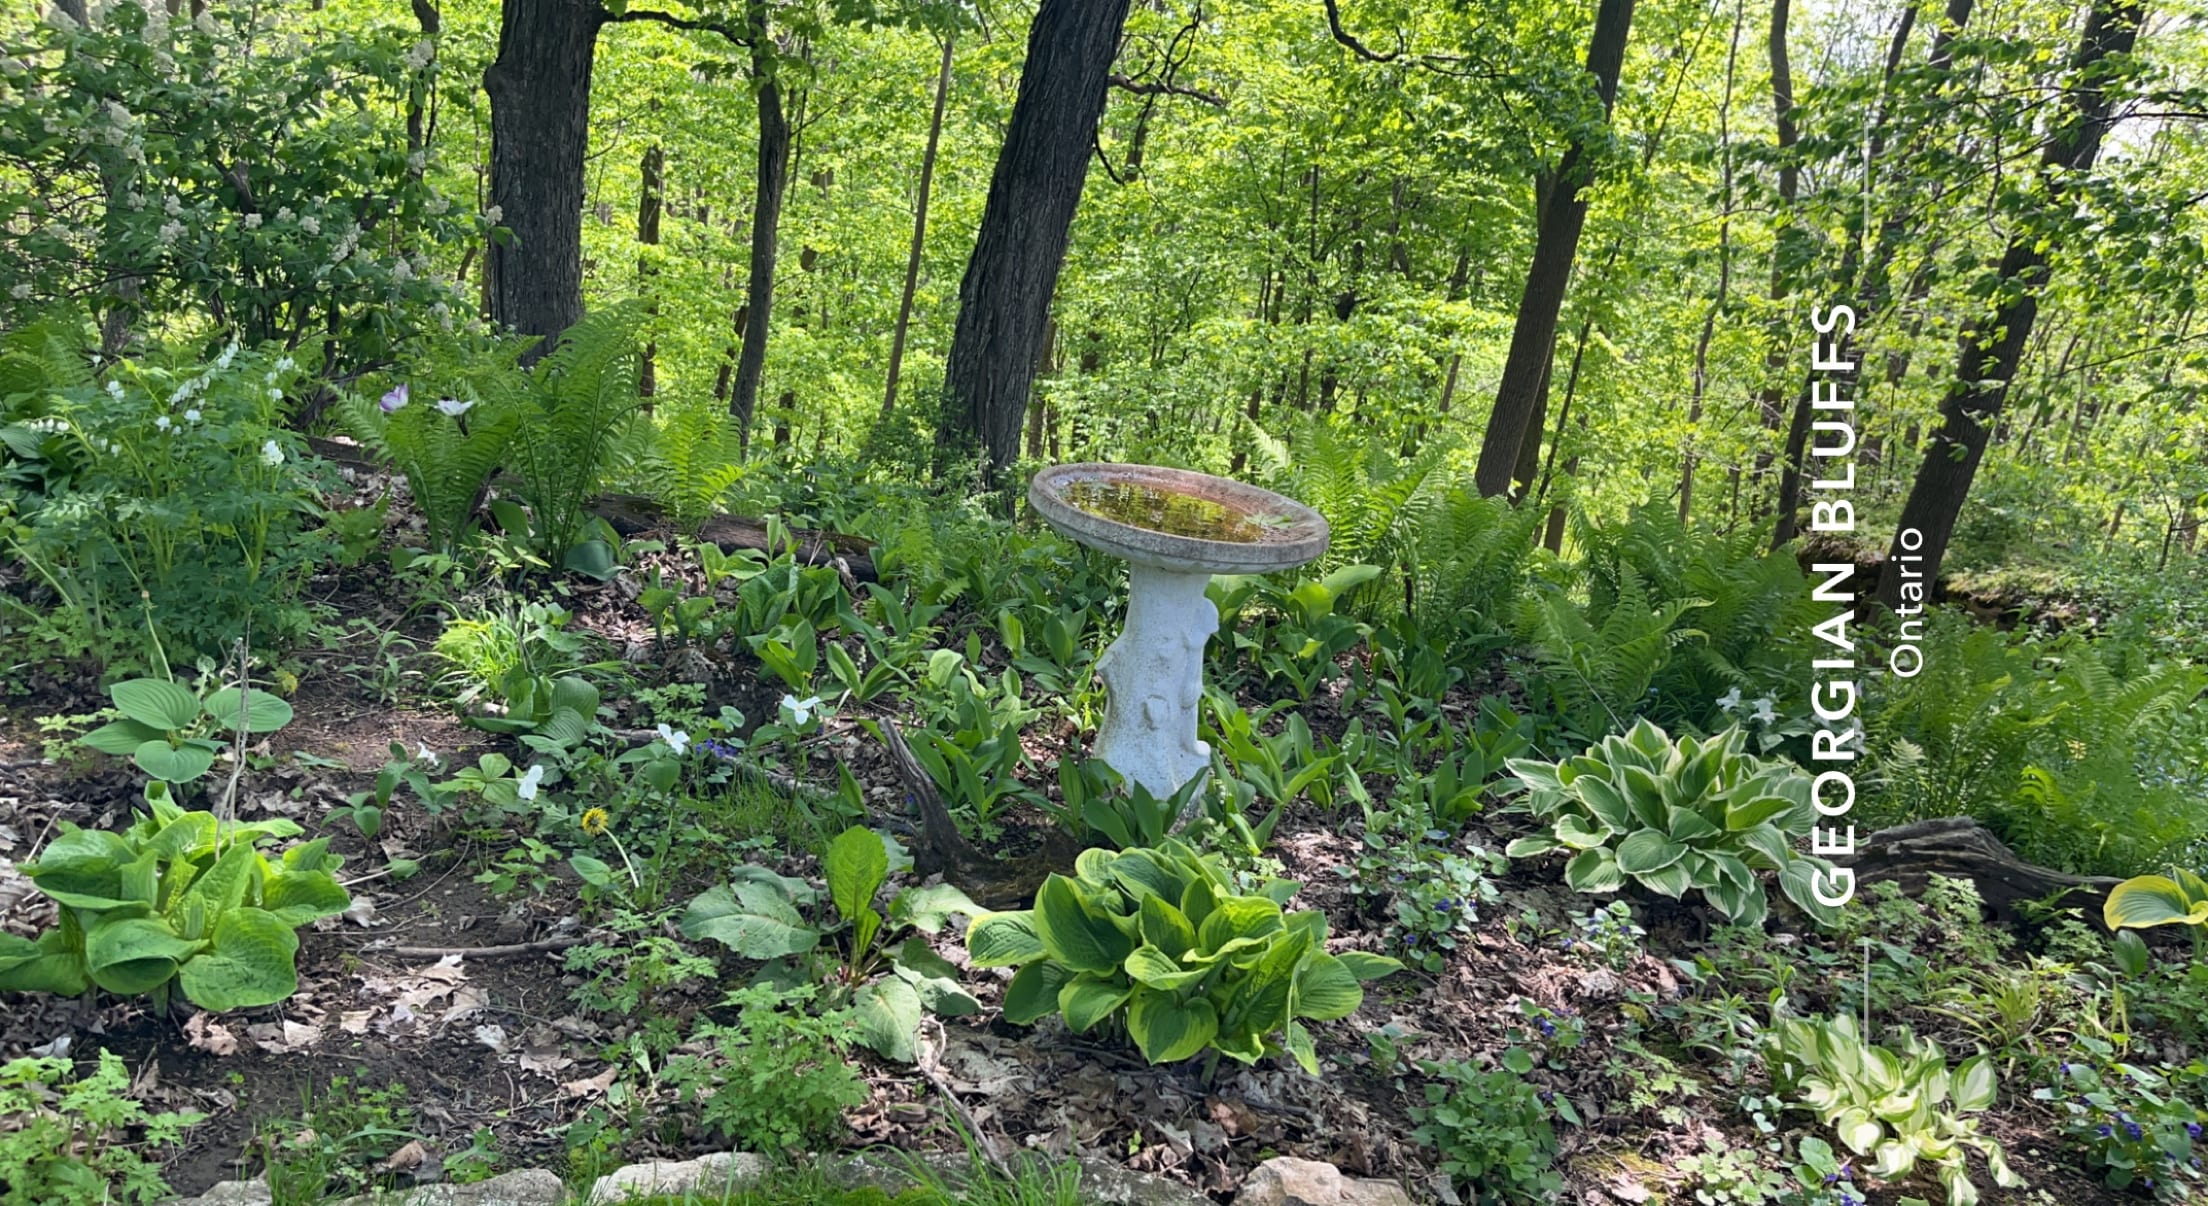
(1993, 345)
(539, 88)
(919, 231)
(1563, 214)
(771, 179)
(1004, 299)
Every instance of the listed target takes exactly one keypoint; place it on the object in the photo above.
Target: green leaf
(1088, 999)
(249, 964)
(51, 964)
(1755, 812)
(131, 956)
(1167, 1030)
(121, 737)
(1163, 928)
(1003, 940)
(1975, 1085)
(927, 908)
(1075, 934)
(1326, 989)
(1576, 834)
(753, 916)
(1645, 851)
(856, 865)
(1149, 965)
(886, 1015)
(264, 713)
(157, 703)
(173, 764)
(301, 897)
(1367, 966)
(1593, 872)
(2152, 900)
(1298, 1044)
(1033, 992)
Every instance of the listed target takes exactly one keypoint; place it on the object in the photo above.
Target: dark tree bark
(919, 231)
(539, 87)
(650, 204)
(1993, 346)
(773, 177)
(1004, 299)
(1771, 398)
(1563, 215)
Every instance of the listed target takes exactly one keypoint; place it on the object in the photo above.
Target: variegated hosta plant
(2145, 901)
(1894, 1107)
(1158, 939)
(1677, 816)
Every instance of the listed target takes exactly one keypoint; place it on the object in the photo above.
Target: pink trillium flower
(395, 399)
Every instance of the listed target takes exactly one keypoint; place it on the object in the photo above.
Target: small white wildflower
(136, 200)
(229, 354)
(22, 290)
(1765, 713)
(286, 364)
(1729, 700)
(426, 754)
(191, 416)
(437, 205)
(311, 224)
(417, 160)
(401, 271)
(453, 407)
(676, 739)
(118, 113)
(163, 423)
(172, 205)
(115, 390)
(526, 786)
(800, 711)
(420, 55)
(205, 23)
(494, 215)
(284, 214)
(271, 454)
(170, 232)
(275, 394)
(251, 221)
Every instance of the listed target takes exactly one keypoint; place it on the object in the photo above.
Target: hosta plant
(178, 900)
(173, 734)
(1158, 941)
(1896, 1108)
(2145, 901)
(760, 915)
(1677, 816)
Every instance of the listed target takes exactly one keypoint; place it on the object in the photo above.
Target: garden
(462, 747)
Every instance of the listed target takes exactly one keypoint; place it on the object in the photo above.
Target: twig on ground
(483, 952)
(929, 1062)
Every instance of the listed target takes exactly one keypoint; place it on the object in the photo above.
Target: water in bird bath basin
(1143, 505)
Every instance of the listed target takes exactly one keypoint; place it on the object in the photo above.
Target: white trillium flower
(271, 454)
(191, 416)
(526, 786)
(1729, 700)
(426, 754)
(163, 423)
(453, 408)
(800, 710)
(1765, 713)
(676, 739)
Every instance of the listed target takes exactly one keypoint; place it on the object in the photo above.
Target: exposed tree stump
(1961, 848)
(992, 883)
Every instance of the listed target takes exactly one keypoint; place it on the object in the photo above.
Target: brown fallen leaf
(410, 1156)
(210, 1036)
(589, 1086)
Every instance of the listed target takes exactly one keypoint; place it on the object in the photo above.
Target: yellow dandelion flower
(594, 821)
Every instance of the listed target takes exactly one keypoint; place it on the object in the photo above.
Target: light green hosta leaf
(121, 736)
(1532, 845)
(1367, 966)
(1326, 989)
(1605, 801)
(1086, 1000)
(1299, 1045)
(1960, 1190)
(1687, 825)
(1149, 965)
(926, 909)
(249, 964)
(1645, 851)
(219, 890)
(1798, 879)
(1168, 1031)
(2144, 901)
(173, 764)
(1975, 1085)
(1593, 872)
(886, 1015)
(753, 917)
(1237, 917)
(1751, 813)
(264, 713)
(1575, 833)
(1672, 881)
(1858, 1130)
(856, 865)
(1164, 929)
(1033, 992)
(51, 964)
(1003, 939)
(186, 834)
(1075, 934)
(156, 703)
(134, 955)
(301, 897)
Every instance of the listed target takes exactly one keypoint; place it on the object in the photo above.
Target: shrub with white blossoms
(190, 216)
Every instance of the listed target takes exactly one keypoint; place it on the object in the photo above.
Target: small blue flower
(2193, 1129)
(2133, 1129)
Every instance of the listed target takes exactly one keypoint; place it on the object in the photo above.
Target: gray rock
(1103, 1183)
(527, 1187)
(230, 1193)
(717, 1172)
(1287, 1181)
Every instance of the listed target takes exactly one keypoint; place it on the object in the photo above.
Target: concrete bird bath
(1175, 529)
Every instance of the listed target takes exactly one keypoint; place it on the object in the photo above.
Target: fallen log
(1961, 848)
(633, 515)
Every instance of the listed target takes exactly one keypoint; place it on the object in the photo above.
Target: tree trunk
(1688, 459)
(1004, 299)
(1563, 215)
(1994, 345)
(539, 87)
(1771, 397)
(650, 202)
(766, 221)
(919, 232)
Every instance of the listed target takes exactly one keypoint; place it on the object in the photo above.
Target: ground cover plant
(523, 646)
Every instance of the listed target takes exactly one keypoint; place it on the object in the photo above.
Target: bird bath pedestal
(1175, 529)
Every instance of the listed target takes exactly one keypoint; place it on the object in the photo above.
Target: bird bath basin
(1175, 529)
